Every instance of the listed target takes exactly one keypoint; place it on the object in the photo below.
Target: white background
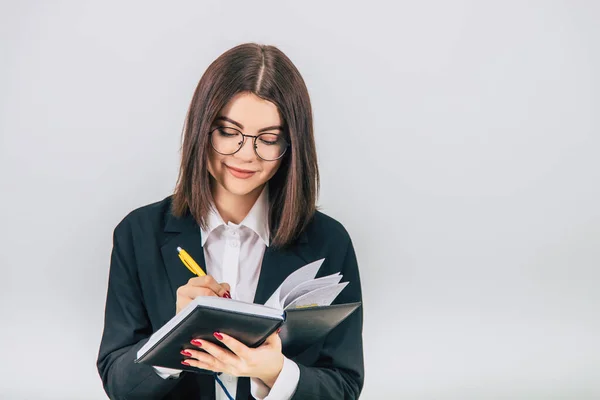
(458, 143)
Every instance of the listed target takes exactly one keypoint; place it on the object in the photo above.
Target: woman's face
(243, 172)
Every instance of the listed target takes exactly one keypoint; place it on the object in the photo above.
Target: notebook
(301, 306)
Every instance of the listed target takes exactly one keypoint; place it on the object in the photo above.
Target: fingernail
(185, 362)
(186, 353)
(196, 342)
(218, 335)
(227, 295)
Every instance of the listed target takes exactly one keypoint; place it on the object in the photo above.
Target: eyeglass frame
(244, 136)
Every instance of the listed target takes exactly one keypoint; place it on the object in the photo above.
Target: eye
(270, 139)
(227, 132)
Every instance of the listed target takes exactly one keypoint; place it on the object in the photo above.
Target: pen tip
(179, 249)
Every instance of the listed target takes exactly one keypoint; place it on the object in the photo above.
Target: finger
(208, 281)
(194, 291)
(273, 339)
(238, 348)
(205, 281)
(221, 354)
(226, 286)
(200, 359)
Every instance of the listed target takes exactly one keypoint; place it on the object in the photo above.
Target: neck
(234, 207)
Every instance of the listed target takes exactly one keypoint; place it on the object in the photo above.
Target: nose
(247, 150)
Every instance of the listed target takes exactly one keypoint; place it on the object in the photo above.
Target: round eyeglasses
(267, 146)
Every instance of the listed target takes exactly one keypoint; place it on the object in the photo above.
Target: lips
(245, 171)
(240, 173)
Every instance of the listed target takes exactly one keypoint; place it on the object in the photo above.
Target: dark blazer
(145, 273)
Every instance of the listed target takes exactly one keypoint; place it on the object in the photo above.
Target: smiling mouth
(245, 171)
(240, 173)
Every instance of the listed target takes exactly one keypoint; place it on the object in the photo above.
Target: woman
(245, 208)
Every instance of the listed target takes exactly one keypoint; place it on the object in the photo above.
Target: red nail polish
(196, 342)
(185, 363)
(218, 335)
(186, 353)
(227, 295)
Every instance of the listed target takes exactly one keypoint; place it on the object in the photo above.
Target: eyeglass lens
(269, 146)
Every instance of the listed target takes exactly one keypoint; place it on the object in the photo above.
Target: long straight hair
(268, 73)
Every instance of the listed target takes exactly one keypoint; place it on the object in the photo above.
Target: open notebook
(301, 306)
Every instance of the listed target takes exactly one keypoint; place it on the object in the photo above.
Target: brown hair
(268, 73)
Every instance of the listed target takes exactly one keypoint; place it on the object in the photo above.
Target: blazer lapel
(278, 264)
(187, 236)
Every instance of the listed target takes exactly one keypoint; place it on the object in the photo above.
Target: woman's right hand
(200, 286)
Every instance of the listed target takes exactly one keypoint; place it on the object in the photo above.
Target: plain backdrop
(458, 144)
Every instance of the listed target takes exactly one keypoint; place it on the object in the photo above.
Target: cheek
(214, 163)
(270, 169)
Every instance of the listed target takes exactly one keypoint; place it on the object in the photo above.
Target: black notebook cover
(305, 326)
(302, 327)
(201, 323)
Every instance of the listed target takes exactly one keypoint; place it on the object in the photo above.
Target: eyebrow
(268, 128)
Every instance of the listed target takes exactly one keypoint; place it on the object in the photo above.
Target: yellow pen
(189, 262)
(194, 268)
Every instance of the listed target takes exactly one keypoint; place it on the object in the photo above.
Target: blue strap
(222, 386)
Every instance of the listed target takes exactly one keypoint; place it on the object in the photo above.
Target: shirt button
(233, 244)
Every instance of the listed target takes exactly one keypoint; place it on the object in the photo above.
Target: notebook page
(320, 297)
(309, 286)
(306, 273)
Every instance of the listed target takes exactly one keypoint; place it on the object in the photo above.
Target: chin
(239, 188)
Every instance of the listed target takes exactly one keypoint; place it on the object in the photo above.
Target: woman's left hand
(264, 362)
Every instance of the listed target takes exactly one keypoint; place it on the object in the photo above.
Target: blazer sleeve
(338, 372)
(126, 329)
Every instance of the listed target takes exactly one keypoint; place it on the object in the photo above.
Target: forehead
(251, 111)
